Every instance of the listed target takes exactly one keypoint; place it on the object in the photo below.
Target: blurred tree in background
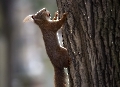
(22, 58)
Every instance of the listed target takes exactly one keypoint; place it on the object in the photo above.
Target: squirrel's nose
(33, 16)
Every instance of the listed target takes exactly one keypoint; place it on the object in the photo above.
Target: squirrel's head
(41, 15)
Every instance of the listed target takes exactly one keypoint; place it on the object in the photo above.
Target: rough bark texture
(92, 37)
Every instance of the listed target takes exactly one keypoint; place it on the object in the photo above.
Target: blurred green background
(23, 59)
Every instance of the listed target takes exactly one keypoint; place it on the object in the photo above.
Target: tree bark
(92, 37)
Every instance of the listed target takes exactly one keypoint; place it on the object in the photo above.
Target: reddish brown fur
(58, 55)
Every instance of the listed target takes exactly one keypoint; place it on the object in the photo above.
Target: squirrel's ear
(29, 18)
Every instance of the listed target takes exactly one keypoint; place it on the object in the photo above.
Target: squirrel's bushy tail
(60, 77)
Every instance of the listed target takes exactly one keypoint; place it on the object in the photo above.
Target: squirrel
(58, 55)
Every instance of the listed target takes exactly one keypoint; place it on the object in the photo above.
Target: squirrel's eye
(45, 9)
(49, 14)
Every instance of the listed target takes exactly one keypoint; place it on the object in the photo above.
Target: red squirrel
(58, 55)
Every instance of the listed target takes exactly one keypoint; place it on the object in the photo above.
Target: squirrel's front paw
(56, 13)
(56, 16)
(65, 14)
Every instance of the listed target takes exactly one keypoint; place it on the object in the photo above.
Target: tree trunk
(92, 37)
